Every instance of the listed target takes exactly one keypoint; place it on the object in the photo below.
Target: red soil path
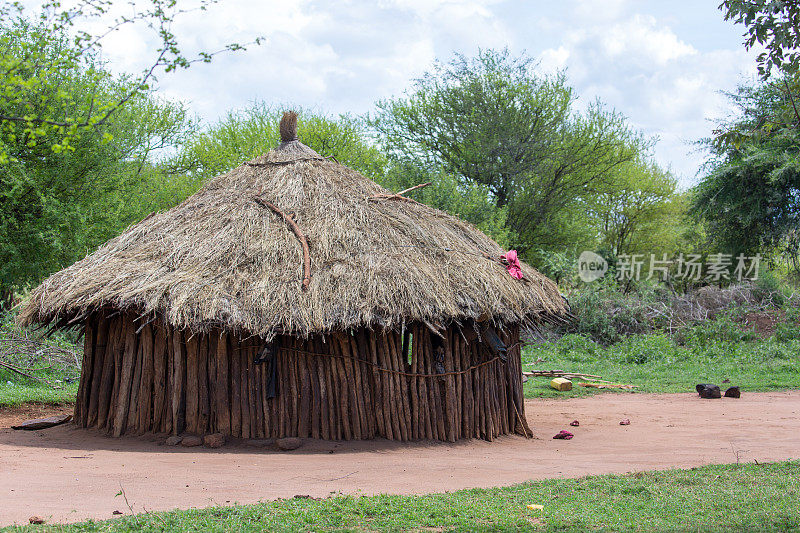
(65, 474)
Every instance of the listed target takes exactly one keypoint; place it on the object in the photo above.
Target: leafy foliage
(43, 51)
(57, 204)
(750, 198)
(775, 25)
(491, 122)
(245, 134)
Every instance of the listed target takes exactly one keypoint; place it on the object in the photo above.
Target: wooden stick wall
(140, 377)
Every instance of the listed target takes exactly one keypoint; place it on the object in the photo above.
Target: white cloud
(650, 60)
(664, 85)
(640, 37)
(554, 59)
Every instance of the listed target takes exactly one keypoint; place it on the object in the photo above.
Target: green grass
(44, 358)
(20, 392)
(713, 498)
(657, 362)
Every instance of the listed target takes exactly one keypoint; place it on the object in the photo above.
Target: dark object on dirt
(563, 434)
(36, 520)
(289, 443)
(190, 441)
(117, 512)
(574, 423)
(733, 392)
(215, 440)
(625, 422)
(707, 390)
(174, 440)
(43, 423)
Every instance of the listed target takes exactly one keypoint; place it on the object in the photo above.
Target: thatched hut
(292, 296)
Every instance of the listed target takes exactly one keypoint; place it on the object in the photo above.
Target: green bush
(607, 316)
(768, 288)
(725, 327)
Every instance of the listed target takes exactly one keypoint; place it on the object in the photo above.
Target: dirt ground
(67, 474)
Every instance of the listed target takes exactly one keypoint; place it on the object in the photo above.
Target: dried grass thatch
(220, 259)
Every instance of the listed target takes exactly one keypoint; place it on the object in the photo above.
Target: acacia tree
(639, 212)
(749, 198)
(491, 121)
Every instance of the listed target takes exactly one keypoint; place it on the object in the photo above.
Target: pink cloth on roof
(514, 268)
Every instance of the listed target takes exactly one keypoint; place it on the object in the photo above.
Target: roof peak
(288, 126)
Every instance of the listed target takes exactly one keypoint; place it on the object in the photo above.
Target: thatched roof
(220, 259)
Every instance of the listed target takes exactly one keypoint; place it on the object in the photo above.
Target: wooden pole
(242, 353)
(178, 378)
(145, 423)
(203, 393)
(81, 412)
(105, 396)
(131, 425)
(127, 362)
(235, 387)
(192, 388)
(160, 380)
(100, 355)
(223, 395)
(381, 401)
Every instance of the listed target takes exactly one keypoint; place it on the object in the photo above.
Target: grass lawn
(713, 498)
(709, 353)
(24, 391)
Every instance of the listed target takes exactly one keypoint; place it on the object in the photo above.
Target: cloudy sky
(662, 64)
